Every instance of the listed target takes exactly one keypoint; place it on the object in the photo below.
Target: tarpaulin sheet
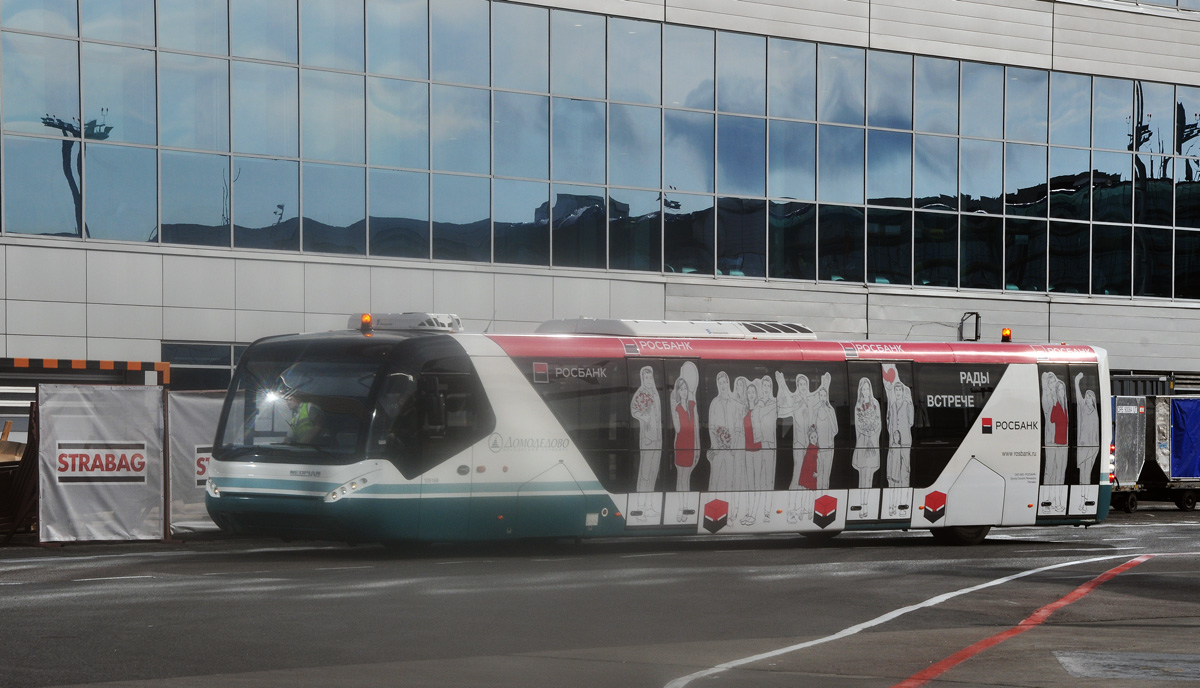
(190, 432)
(100, 459)
(1185, 438)
(1129, 436)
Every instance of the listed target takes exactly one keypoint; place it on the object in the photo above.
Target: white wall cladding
(1017, 32)
(831, 21)
(1142, 43)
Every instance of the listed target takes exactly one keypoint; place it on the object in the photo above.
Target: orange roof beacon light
(365, 324)
(1006, 335)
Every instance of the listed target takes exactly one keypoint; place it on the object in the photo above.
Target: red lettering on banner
(202, 465)
(138, 462)
(110, 462)
(62, 463)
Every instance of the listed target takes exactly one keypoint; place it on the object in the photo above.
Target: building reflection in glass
(793, 240)
(742, 237)
(840, 243)
(688, 233)
(578, 233)
(635, 230)
(399, 213)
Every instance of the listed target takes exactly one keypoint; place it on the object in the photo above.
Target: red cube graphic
(825, 510)
(935, 506)
(716, 515)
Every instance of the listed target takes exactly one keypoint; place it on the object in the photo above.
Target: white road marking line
(343, 568)
(1077, 549)
(648, 554)
(894, 614)
(108, 578)
(466, 561)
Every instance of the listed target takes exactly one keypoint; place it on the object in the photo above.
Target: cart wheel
(1186, 501)
(1131, 503)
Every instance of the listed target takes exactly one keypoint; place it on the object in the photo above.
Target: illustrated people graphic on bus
(795, 404)
(758, 424)
(1054, 411)
(723, 415)
(1087, 428)
(766, 419)
(687, 430)
(867, 424)
(825, 419)
(901, 414)
(646, 408)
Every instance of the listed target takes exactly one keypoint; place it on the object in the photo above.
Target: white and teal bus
(404, 428)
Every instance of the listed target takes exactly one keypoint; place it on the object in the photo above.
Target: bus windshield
(298, 408)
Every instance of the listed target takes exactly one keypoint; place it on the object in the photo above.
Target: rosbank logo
(101, 462)
(990, 424)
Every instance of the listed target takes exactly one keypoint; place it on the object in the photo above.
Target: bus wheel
(819, 537)
(1186, 501)
(1130, 505)
(960, 535)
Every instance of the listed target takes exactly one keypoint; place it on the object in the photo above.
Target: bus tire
(960, 535)
(1131, 503)
(1186, 501)
(819, 537)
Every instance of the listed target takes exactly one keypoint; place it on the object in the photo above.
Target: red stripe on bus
(1032, 621)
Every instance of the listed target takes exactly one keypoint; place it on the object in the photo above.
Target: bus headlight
(211, 488)
(345, 490)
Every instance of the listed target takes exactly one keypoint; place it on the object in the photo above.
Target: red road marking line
(1032, 621)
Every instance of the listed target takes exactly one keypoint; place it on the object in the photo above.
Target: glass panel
(1070, 109)
(935, 250)
(44, 16)
(935, 82)
(1187, 192)
(1187, 132)
(792, 78)
(42, 186)
(688, 56)
(121, 193)
(742, 237)
(982, 101)
(1025, 104)
(1112, 112)
(194, 107)
(195, 354)
(1070, 183)
(1025, 254)
(982, 252)
(398, 123)
(1112, 255)
(688, 233)
(41, 77)
(889, 168)
(398, 36)
(460, 41)
(579, 232)
(522, 222)
(195, 199)
(462, 218)
(520, 47)
(742, 155)
(266, 204)
(120, 21)
(841, 165)
(840, 75)
(1187, 265)
(332, 34)
(840, 243)
(688, 151)
(399, 213)
(634, 146)
(265, 109)
(634, 230)
(793, 160)
(634, 56)
(889, 90)
(522, 135)
(335, 206)
(263, 29)
(982, 175)
(579, 140)
(935, 172)
(793, 231)
(1152, 262)
(889, 246)
(333, 116)
(460, 128)
(197, 26)
(741, 73)
(1154, 110)
(1153, 201)
(1069, 257)
(199, 378)
(1112, 195)
(1025, 187)
(577, 54)
(118, 94)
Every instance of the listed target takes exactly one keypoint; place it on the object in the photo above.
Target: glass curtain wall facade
(491, 132)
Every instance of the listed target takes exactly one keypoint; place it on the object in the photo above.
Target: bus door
(648, 406)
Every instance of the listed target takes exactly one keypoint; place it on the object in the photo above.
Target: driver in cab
(307, 421)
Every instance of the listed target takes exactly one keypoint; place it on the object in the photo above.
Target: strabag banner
(193, 426)
(100, 462)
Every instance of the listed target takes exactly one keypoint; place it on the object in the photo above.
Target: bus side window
(433, 407)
